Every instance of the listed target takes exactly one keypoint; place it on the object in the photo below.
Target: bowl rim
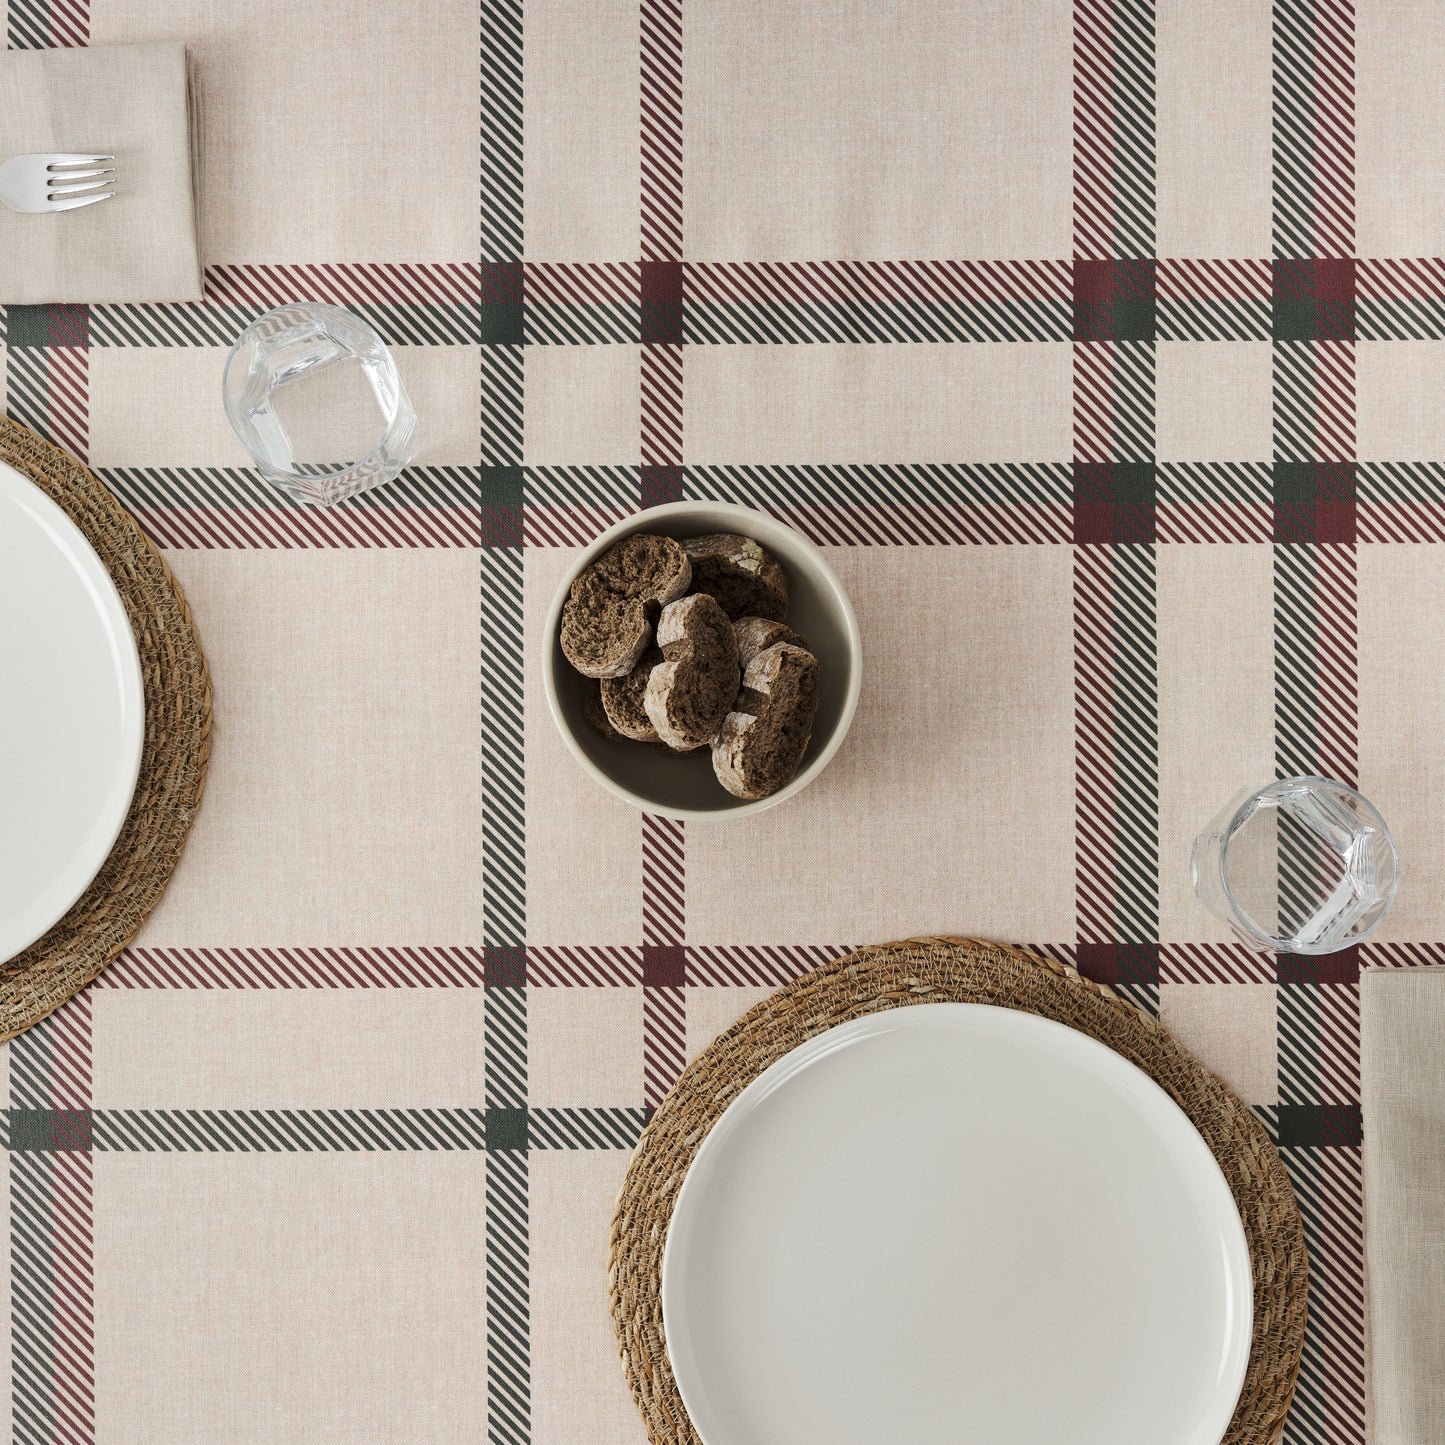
(747, 517)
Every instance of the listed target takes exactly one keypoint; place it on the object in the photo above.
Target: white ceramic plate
(955, 1223)
(72, 712)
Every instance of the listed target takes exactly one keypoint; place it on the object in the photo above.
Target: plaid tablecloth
(1093, 345)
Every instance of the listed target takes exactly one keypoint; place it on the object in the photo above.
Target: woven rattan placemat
(935, 970)
(173, 764)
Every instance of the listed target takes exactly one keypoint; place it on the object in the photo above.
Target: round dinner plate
(956, 1223)
(72, 712)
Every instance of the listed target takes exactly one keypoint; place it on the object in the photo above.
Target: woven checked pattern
(1125, 510)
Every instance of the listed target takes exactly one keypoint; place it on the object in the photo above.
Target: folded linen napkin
(1402, 1087)
(129, 101)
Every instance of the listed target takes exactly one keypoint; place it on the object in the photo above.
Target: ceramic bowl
(684, 786)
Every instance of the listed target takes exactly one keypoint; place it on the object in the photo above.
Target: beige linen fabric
(814, 130)
(1399, 386)
(326, 123)
(286, 1048)
(581, 121)
(129, 101)
(587, 1047)
(1009, 401)
(582, 405)
(1216, 712)
(1234, 1026)
(345, 767)
(290, 1297)
(1213, 140)
(950, 806)
(578, 1389)
(1402, 1091)
(1399, 141)
(1212, 401)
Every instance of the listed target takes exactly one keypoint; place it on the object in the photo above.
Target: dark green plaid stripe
(503, 838)
(36, 1132)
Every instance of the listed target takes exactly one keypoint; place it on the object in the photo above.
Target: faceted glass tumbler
(1302, 865)
(313, 394)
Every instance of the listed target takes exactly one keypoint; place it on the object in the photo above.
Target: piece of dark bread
(689, 692)
(764, 736)
(745, 580)
(756, 633)
(622, 698)
(596, 714)
(608, 617)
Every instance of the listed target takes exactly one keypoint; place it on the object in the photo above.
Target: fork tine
(58, 161)
(63, 180)
(86, 188)
(78, 201)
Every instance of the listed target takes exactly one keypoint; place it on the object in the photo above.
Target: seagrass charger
(174, 756)
(937, 970)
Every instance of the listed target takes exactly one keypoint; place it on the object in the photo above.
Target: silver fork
(55, 182)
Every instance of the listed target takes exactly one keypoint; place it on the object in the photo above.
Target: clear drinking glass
(313, 394)
(1303, 865)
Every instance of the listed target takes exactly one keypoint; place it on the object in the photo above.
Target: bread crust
(596, 714)
(607, 620)
(744, 578)
(690, 691)
(622, 698)
(761, 743)
(756, 633)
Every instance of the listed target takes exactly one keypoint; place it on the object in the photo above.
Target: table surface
(1125, 530)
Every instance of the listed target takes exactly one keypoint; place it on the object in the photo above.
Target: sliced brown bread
(689, 693)
(756, 633)
(765, 735)
(745, 580)
(622, 698)
(596, 714)
(611, 607)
